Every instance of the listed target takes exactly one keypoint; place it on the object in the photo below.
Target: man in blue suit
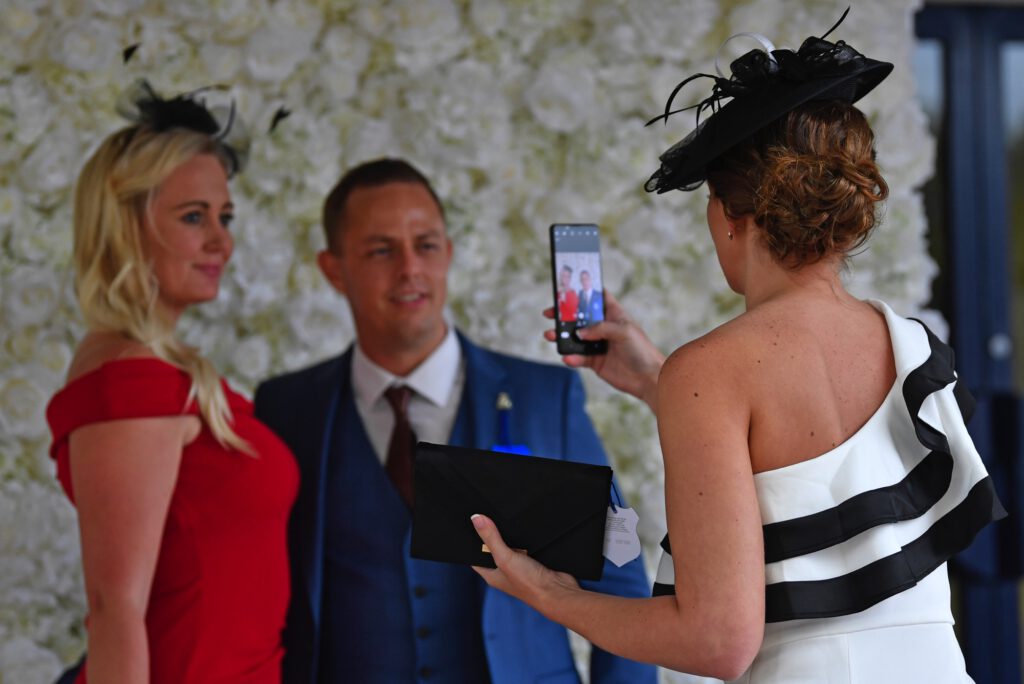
(591, 301)
(362, 609)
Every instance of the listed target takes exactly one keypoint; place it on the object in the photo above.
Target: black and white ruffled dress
(857, 539)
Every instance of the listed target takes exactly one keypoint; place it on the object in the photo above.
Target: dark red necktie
(402, 444)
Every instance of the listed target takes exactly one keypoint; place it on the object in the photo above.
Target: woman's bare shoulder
(723, 349)
(98, 348)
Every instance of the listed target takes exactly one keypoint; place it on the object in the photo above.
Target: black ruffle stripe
(663, 589)
(905, 500)
(863, 588)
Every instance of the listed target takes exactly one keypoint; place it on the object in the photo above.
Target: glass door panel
(928, 62)
(1012, 67)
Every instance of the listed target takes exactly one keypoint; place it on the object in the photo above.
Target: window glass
(929, 74)
(1011, 67)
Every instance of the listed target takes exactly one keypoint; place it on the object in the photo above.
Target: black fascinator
(764, 85)
(141, 104)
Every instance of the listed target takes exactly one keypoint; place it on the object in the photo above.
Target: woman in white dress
(818, 471)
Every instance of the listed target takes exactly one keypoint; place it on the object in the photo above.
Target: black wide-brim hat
(764, 86)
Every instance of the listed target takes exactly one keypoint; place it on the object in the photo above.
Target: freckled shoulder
(729, 352)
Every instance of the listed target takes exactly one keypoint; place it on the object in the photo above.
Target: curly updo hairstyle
(809, 180)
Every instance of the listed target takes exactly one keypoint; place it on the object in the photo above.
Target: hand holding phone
(577, 284)
(632, 363)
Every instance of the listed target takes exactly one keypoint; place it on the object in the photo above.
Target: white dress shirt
(437, 388)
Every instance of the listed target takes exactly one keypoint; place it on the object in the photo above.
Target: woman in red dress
(568, 302)
(183, 496)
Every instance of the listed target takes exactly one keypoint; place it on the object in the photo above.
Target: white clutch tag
(621, 543)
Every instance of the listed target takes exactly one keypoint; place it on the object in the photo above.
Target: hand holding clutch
(554, 510)
(516, 573)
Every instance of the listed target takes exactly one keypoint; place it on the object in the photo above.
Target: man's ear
(330, 266)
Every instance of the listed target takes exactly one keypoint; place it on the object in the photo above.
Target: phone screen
(578, 285)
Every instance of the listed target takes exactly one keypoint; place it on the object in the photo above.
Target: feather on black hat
(764, 86)
(141, 104)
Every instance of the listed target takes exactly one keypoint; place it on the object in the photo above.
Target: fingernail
(478, 520)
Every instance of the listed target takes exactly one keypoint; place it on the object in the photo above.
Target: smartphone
(577, 284)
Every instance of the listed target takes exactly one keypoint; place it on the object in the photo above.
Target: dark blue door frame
(980, 319)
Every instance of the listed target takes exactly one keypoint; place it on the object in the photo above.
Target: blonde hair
(116, 287)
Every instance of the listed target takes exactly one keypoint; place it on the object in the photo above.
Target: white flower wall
(524, 112)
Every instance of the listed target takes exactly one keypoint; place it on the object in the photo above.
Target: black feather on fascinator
(142, 105)
(764, 85)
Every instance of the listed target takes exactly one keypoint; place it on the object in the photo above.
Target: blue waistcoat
(387, 617)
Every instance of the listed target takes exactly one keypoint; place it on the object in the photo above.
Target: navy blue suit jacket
(548, 416)
(592, 311)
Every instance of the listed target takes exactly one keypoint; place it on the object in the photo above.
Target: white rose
(344, 45)
(670, 31)
(20, 21)
(652, 229)
(261, 268)
(562, 96)
(371, 18)
(301, 14)
(369, 139)
(274, 51)
(348, 53)
(42, 238)
(906, 149)
(235, 19)
(213, 335)
(318, 155)
(30, 295)
(221, 61)
(20, 344)
(10, 204)
(33, 108)
(10, 450)
(40, 575)
(51, 164)
(251, 358)
(22, 660)
(339, 82)
(23, 402)
(86, 45)
(616, 39)
(564, 203)
(117, 8)
(476, 128)
(425, 33)
(767, 17)
(54, 357)
(489, 16)
(320, 323)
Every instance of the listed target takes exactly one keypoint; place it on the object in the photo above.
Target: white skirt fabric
(908, 654)
(905, 639)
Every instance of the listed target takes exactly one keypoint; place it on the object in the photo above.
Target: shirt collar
(433, 379)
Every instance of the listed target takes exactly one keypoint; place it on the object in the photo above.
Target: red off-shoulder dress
(220, 590)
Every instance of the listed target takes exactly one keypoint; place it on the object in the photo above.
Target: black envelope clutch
(553, 509)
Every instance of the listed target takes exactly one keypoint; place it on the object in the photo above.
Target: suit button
(425, 672)
(419, 591)
(423, 632)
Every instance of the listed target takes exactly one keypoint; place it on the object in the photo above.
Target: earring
(729, 234)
